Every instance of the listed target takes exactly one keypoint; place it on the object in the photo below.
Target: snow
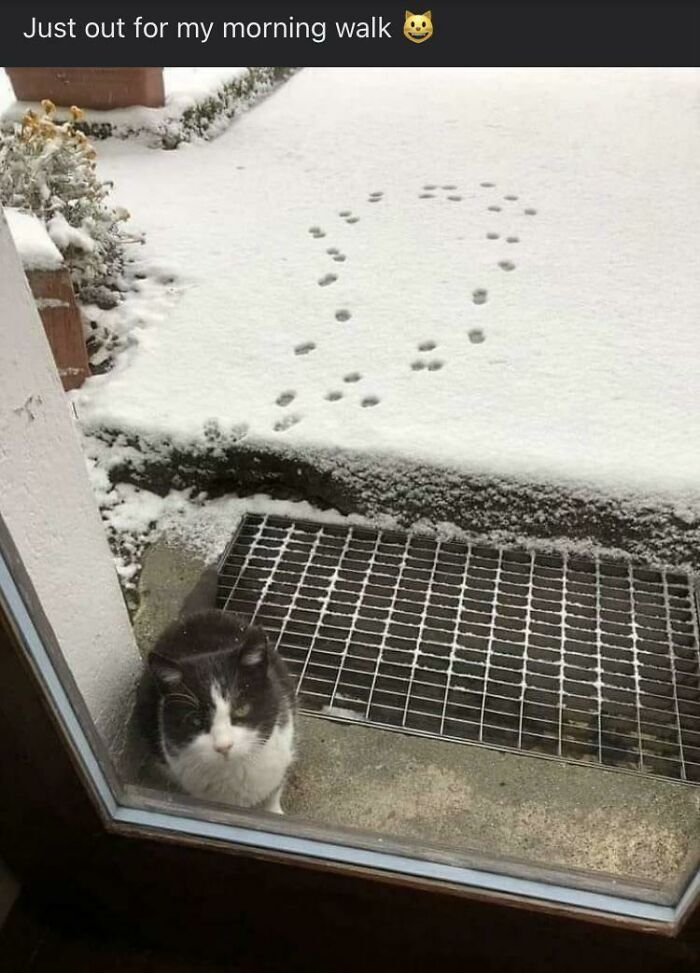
(134, 517)
(341, 712)
(184, 88)
(36, 249)
(64, 235)
(7, 95)
(580, 366)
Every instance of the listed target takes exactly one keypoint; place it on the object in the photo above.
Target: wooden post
(60, 316)
(100, 88)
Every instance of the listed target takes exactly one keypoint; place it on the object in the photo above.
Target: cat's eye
(240, 712)
(193, 720)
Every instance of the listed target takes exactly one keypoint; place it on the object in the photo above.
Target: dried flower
(48, 168)
(48, 106)
(77, 113)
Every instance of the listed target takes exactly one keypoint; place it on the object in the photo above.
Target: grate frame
(566, 657)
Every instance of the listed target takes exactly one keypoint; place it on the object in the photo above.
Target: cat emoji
(418, 27)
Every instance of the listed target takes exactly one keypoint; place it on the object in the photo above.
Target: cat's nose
(222, 747)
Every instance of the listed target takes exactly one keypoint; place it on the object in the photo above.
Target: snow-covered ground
(514, 291)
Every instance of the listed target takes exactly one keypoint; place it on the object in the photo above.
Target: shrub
(48, 168)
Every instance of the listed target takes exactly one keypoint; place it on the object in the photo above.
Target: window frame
(134, 813)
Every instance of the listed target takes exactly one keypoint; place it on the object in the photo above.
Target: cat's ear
(409, 14)
(167, 673)
(254, 648)
(428, 15)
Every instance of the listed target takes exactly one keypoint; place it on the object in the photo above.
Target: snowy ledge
(35, 247)
(659, 529)
(199, 103)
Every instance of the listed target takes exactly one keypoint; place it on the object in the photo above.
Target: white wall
(48, 506)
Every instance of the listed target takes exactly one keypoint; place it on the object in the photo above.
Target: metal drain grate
(570, 657)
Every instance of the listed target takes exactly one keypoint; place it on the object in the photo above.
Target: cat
(217, 706)
(418, 27)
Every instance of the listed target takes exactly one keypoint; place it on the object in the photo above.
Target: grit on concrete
(470, 799)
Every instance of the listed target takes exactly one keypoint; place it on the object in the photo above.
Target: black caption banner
(497, 33)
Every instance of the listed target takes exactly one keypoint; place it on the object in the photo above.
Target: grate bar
(324, 601)
(569, 657)
(635, 664)
(455, 643)
(421, 634)
(392, 608)
(562, 657)
(528, 614)
(355, 616)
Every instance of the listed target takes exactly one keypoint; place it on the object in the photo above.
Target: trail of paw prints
(213, 432)
(352, 378)
(509, 198)
(287, 422)
(452, 196)
(286, 397)
(317, 233)
(510, 210)
(479, 297)
(431, 190)
(367, 401)
(336, 254)
(283, 400)
(424, 363)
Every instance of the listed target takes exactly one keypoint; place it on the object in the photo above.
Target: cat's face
(216, 707)
(418, 27)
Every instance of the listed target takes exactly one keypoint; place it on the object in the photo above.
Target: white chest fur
(246, 779)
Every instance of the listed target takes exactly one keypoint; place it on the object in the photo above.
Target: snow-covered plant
(48, 168)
